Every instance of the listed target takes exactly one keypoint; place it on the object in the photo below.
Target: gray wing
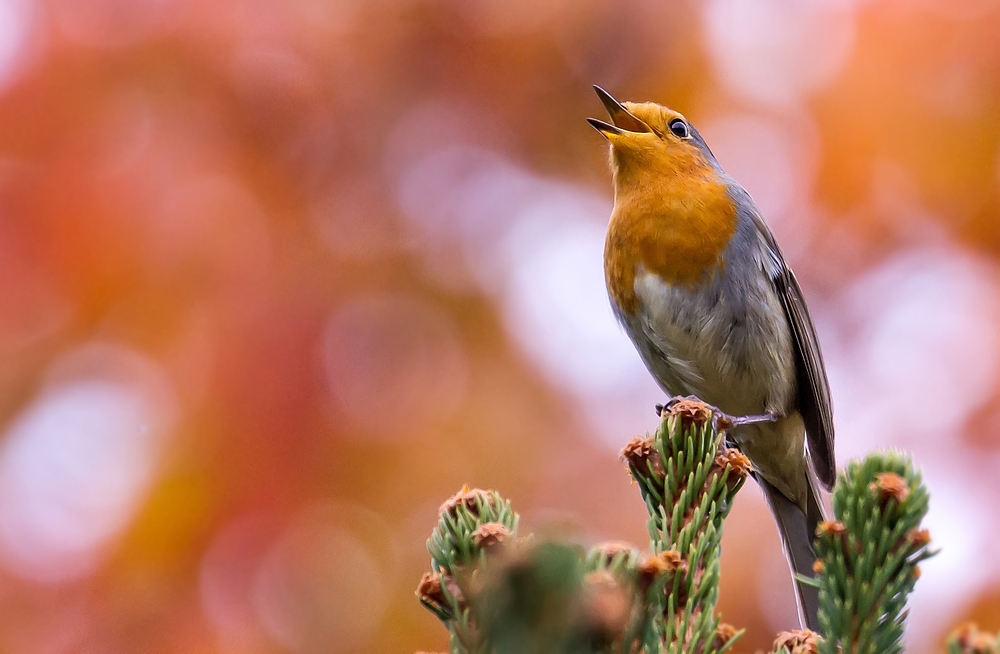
(814, 401)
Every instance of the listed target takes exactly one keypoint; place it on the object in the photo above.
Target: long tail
(797, 531)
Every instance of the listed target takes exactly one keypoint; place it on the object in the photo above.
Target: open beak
(622, 118)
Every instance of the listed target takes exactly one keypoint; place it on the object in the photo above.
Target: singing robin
(698, 282)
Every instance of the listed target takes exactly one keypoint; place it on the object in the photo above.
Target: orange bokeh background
(278, 278)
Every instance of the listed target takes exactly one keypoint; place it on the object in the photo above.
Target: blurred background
(276, 279)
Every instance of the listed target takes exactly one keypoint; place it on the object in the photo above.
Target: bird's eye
(679, 128)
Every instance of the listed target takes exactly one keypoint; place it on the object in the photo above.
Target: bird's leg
(735, 421)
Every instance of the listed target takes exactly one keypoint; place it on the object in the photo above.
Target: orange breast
(676, 229)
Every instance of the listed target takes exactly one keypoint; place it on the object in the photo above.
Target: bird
(698, 282)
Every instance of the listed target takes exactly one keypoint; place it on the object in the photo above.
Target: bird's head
(651, 142)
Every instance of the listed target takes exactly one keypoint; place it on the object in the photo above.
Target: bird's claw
(665, 408)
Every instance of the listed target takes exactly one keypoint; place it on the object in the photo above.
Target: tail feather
(797, 530)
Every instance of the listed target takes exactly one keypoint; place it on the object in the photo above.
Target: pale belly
(728, 344)
(733, 349)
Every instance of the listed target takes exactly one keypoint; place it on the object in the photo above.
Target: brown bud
(489, 534)
(607, 607)
(889, 485)
(467, 498)
(799, 641)
(918, 537)
(723, 634)
(739, 466)
(640, 455)
(972, 641)
(430, 591)
(837, 532)
(831, 528)
(818, 567)
(673, 559)
(666, 562)
(691, 412)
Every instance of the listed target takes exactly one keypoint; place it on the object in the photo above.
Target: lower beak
(603, 127)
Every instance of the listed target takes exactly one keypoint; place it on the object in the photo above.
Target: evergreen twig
(688, 479)
(868, 556)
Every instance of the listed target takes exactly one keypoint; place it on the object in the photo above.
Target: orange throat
(677, 229)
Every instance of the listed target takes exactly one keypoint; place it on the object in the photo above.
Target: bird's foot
(720, 419)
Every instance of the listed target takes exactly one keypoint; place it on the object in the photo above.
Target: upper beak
(621, 117)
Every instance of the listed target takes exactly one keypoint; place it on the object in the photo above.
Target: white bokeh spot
(77, 462)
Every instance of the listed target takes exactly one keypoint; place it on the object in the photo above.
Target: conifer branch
(868, 556)
(688, 479)
(498, 593)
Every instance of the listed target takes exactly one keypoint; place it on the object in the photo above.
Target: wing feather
(814, 401)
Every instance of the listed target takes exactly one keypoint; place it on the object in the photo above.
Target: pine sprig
(454, 541)
(470, 524)
(495, 593)
(868, 556)
(688, 480)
